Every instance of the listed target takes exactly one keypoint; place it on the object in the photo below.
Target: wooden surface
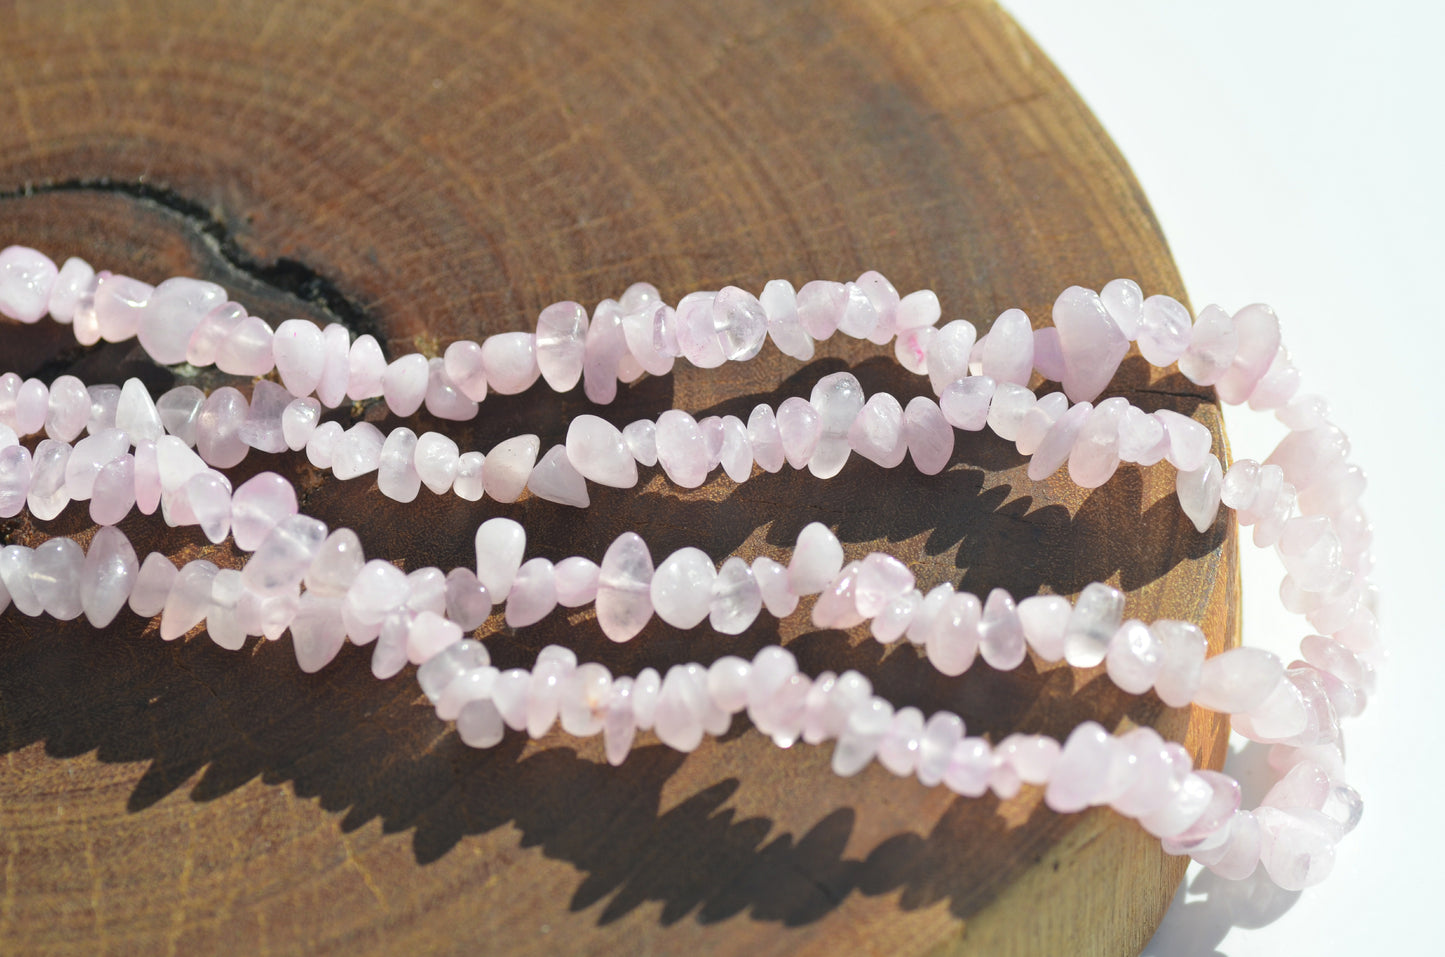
(429, 171)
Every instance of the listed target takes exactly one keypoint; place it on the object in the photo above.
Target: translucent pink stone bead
(817, 560)
(918, 309)
(396, 476)
(1189, 441)
(500, 543)
(218, 428)
(75, 279)
(1124, 302)
(1091, 343)
(1278, 385)
(941, 734)
(1199, 492)
(262, 427)
(736, 598)
(858, 743)
(15, 580)
(952, 637)
(317, 632)
(178, 409)
(681, 587)
(1164, 330)
(113, 494)
(281, 560)
(860, 317)
(881, 579)
(48, 495)
(365, 369)
(837, 605)
(1001, 637)
(576, 582)
(508, 466)
(1006, 412)
(740, 323)
(1081, 771)
(1008, 352)
(152, 584)
(444, 399)
(436, 457)
(641, 440)
(912, 346)
(136, 413)
(1213, 343)
(1185, 806)
(188, 599)
(15, 473)
(948, 354)
(560, 342)
(1239, 855)
(55, 572)
(1140, 437)
(211, 331)
(680, 448)
(1058, 442)
(820, 307)
(119, 303)
(1135, 657)
(780, 305)
(1257, 328)
(107, 576)
(1184, 647)
(877, 432)
(965, 402)
(927, 435)
(404, 383)
(510, 360)
(1095, 455)
(208, 495)
(772, 579)
(26, 280)
(257, 506)
(1098, 613)
(839, 400)
(357, 451)
(247, 349)
(468, 480)
(88, 457)
(799, 428)
(603, 351)
(32, 405)
(1035, 424)
(900, 745)
(148, 488)
(1297, 846)
(624, 602)
(533, 594)
(69, 409)
(597, 451)
(555, 479)
(172, 313)
(736, 455)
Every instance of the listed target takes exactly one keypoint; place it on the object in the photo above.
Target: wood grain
(429, 171)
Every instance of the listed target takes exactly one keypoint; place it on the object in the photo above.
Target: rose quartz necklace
(168, 453)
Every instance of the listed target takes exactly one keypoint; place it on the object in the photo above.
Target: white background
(1293, 154)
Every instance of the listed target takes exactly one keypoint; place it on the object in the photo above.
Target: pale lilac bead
(859, 318)
(1124, 302)
(1213, 343)
(533, 594)
(247, 350)
(890, 624)
(1198, 491)
(1044, 619)
(1184, 647)
(839, 400)
(148, 487)
(1032, 756)
(780, 305)
(1036, 422)
(337, 563)
(1152, 781)
(27, 278)
(681, 587)
(1091, 343)
(965, 402)
(174, 466)
(404, 384)
(464, 366)
(1303, 413)
(32, 405)
(468, 603)
(69, 408)
(281, 560)
(641, 440)
(1303, 456)
(681, 450)
(820, 307)
(1135, 657)
(772, 579)
(1008, 352)
(15, 580)
(48, 495)
(799, 429)
(152, 585)
(1238, 857)
(376, 591)
(952, 637)
(211, 331)
(55, 571)
(1297, 846)
(188, 599)
(9, 395)
(624, 602)
(817, 560)
(443, 397)
(103, 402)
(576, 579)
(262, 427)
(208, 496)
(697, 338)
(927, 613)
(300, 354)
(736, 598)
(1095, 455)
(900, 746)
(679, 710)
(883, 297)
(365, 369)
(435, 460)
(1001, 636)
(911, 348)
(177, 409)
(837, 605)
(1081, 771)
(357, 451)
(1097, 615)
(941, 734)
(583, 700)
(1058, 442)
(508, 466)
(1257, 328)
(120, 302)
(598, 452)
(1189, 441)
(113, 493)
(969, 767)
(1164, 330)
(396, 476)
(136, 414)
(1219, 810)
(500, 543)
(646, 326)
(317, 632)
(75, 279)
(1251, 489)
(1007, 409)
(560, 343)
(877, 432)
(727, 683)
(90, 455)
(1186, 805)
(881, 579)
(948, 354)
(604, 349)
(555, 479)
(927, 435)
(858, 743)
(739, 322)
(218, 428)
(918, 309)
(107, 576)
(1338, 489)
(1278, 385)
(321, 444)
(468, 480)
(172, 313)
(1048, 354)
(1140, 437)
(298, 420)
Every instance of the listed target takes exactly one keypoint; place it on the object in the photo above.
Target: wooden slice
(433, 171)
